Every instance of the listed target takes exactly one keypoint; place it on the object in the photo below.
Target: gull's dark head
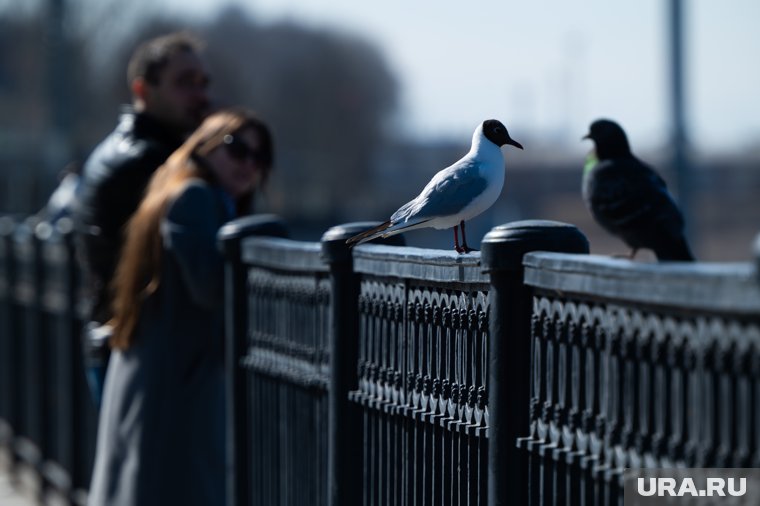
(497, 133)
(609, 138)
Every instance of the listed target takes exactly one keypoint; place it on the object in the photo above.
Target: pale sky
(547, 68)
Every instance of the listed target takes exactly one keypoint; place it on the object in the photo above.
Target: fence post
(30, 444)
(230, 239)
(345, 438)
(83, 417)
(509, 349)
(9, 416)
(756, 251)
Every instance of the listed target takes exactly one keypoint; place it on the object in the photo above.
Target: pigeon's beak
(514, 143)
(586, 137)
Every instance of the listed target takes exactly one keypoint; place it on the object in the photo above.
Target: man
(168, 82)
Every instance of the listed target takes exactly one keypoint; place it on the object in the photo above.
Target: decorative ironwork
(631, 365)
(620, 382)
(287, 372)
(422, 372)
(44, 400)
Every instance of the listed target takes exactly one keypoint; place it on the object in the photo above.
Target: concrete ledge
(730, 288)
(417, 263)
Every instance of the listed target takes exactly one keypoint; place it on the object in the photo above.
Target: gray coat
(161, 428)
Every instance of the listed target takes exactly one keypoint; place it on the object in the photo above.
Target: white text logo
(670, 487)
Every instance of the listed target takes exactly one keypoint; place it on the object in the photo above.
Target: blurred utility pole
(679, 136)
(58, 142)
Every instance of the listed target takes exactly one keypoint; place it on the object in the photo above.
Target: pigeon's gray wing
(450, 191)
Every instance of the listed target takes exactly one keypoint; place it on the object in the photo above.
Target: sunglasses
(240, 151)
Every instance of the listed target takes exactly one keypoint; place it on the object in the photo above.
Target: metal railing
(278, 320)
(639, 365)
(46, 413)
(388, 375)
(422, 372)
(407, 351)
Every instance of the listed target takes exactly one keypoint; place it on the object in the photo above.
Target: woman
(161, 429)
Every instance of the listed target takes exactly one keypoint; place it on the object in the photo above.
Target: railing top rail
(716, 287)
(283, 254)
(421, 264)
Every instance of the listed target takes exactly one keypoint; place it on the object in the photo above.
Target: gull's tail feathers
(368, 235)
(384, 230)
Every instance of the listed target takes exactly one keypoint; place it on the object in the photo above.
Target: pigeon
(457, 193)
(629, 199)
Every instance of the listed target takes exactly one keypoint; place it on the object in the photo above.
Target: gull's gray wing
(450, 191)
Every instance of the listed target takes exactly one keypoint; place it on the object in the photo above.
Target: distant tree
(21, 74)
(328, 95)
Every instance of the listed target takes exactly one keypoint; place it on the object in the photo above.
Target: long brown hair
(138, 272)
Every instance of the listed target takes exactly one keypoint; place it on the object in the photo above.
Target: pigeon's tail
(368, 235)
(677, 250)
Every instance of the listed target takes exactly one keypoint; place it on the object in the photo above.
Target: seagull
(629, 199)
(457, 193)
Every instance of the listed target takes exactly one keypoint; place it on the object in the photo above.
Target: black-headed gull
(457, 193)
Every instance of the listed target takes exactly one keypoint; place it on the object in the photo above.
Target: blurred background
(368, 101)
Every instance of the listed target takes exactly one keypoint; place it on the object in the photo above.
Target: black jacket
(113, 182)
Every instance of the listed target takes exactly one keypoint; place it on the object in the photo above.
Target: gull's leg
(458, 249)
(466, 248)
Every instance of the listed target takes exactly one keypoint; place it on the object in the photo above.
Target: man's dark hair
(152, 56)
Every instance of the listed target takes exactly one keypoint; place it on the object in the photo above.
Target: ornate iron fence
(398, 376)
(639, 365)
(422, 371)
(278, 323)
(401, 365)
(47, 417)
